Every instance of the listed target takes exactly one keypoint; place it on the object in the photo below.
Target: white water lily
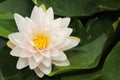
(41, 41)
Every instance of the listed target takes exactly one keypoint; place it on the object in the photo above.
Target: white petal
(38, 72)
(19, 52)
(38, 57)
(56, 23)
(27, 45)
(17, 37)
(22, 62)
(37, 14)
(46, 53)
(31, 28)
(16, 51)
(49, 15)
(10, 44)
(44, 69)
(61, 35)
(54, 53)
(20, 21)
(21, 40)
(32, 63)
(25, 53)
(24, 24)
(62, 57)
(69, 43)
(65, 31)
(61, 63)
(46, 62)
(65, 22)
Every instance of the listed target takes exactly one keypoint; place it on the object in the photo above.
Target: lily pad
(8, 69)
(111, 68)
(7, 27)
(87, 55)
(22, 7)
(79, 7)
(7, 9)
(2, 43)
(6, 16)
(87, 76)
(84, 56)
(109, 71)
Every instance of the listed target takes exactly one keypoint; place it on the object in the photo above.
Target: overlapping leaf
(7, 9)
(87, 56)
(110, 70)
(79, 7)
(22, 7)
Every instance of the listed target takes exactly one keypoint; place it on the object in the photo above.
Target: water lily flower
(41, 41)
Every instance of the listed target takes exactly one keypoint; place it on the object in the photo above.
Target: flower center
(41, 41)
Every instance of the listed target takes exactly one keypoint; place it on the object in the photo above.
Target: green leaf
(8, 69)
(22, 7)
(84, 57)
(6, 16)
(116, 24)
(109, 5)
(5, 61)
(79, 7)
(7, 9)
(97, 26)
(104, 24)
(86, 76)
(95, 41)
(2, 43)
(79, 31)
(111, 69)
(7, 27)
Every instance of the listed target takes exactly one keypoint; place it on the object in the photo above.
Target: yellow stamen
(41, 41)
